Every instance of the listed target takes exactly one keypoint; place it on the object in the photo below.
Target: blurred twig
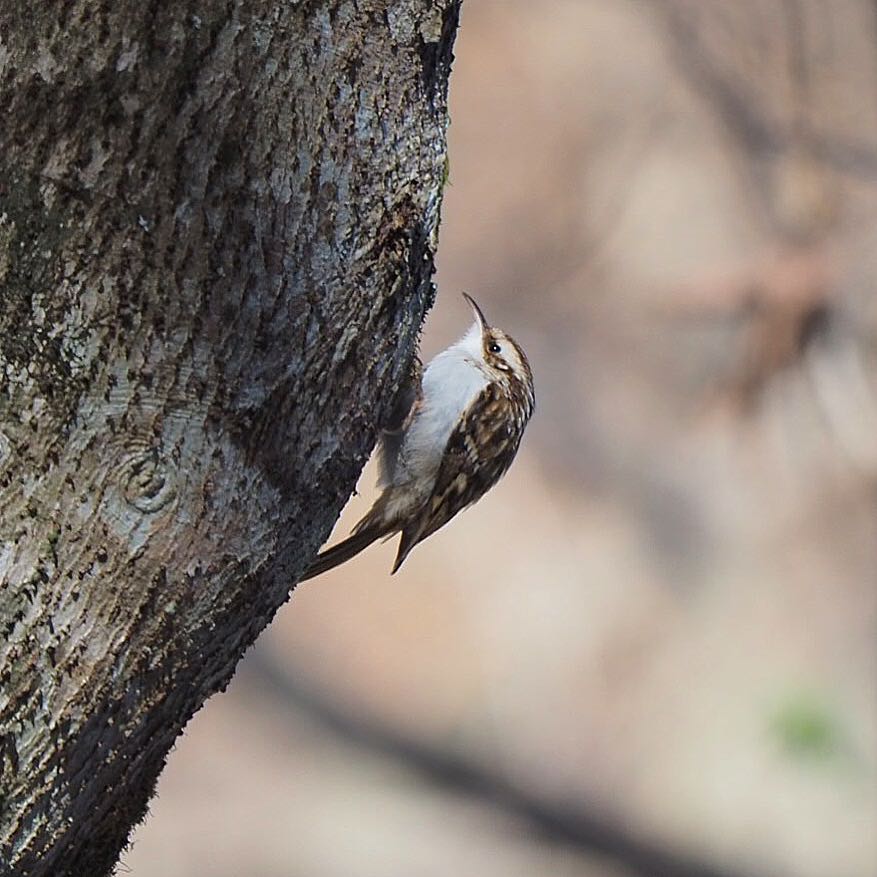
(739, 108)
(556, 820)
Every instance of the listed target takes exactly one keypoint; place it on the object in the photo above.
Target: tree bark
(217, 227)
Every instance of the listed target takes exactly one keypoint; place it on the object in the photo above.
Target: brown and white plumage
(458, 440)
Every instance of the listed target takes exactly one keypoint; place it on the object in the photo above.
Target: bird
(459, 438)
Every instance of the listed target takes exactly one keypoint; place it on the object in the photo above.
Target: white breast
(451, 382)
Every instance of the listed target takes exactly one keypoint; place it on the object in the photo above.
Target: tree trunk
(217, 226)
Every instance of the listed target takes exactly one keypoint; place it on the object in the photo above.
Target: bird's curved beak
(479, 316)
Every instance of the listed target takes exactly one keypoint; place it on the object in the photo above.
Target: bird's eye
(493, 347)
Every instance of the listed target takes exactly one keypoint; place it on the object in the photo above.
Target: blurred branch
(735, 108)
(799, 64)
(558, 821)
(759, 137)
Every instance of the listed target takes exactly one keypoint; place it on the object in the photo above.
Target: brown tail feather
(410, 538)
(337, 554)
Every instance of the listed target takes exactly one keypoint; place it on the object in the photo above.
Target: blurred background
(652, 650)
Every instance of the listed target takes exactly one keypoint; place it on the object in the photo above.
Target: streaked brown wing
(480, 450)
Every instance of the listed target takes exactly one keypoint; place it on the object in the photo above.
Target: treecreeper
(458, 439)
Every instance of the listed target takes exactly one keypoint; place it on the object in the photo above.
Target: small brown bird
(459, 439)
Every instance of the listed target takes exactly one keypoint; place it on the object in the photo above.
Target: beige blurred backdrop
(664, 618)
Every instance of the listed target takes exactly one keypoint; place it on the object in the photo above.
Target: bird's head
(502, 357)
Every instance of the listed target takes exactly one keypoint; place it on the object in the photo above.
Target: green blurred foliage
(807, 727)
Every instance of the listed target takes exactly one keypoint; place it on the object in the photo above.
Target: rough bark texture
(217, 223)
